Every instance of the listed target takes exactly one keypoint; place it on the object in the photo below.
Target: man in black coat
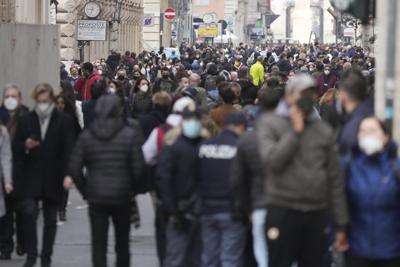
(111, 151)
(176, 175)
(42, 145)
(10, 113)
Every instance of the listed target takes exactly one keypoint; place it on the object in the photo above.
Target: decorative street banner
(92, 30)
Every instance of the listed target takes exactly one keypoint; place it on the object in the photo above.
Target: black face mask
(121, 77)
(136, 78)
(165, 76)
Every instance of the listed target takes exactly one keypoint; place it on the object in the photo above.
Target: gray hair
(12, 86)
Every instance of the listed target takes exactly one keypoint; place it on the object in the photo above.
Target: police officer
(223, 235)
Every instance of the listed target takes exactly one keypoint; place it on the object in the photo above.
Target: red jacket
(84, 86)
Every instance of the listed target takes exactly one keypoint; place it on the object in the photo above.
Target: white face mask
(43, 107)
(144, 88)
(112, 90)
(327, 72)
(11, 103)
(370, 145)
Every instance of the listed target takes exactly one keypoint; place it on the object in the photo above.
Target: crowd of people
(254, 156)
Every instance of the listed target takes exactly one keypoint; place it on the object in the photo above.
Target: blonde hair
(42, 88)
(329, 97)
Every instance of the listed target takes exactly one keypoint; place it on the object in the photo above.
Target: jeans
(30, 213)
(183, 245)
(99, 222)
(258, 219)
(224, 241)
(13, 216)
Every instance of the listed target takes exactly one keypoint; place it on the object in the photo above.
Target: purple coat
(326, 82)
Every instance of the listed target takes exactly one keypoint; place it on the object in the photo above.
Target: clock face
(92, 9)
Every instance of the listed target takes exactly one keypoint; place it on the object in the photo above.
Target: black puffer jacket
(111, 152)
(248, 177)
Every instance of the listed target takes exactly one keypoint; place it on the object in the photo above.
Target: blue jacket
(374, 201)
(216, 155)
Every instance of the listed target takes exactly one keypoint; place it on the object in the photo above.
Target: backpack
(211, 82)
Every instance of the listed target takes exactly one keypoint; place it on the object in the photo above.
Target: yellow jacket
(257, 72)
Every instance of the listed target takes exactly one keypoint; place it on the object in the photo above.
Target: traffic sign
(169, 13)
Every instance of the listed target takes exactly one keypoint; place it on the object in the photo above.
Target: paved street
(73, 239)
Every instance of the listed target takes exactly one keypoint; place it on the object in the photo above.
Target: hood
(108, 120)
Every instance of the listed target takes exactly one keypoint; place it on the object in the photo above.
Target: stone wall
(122, 36)
(7, 10)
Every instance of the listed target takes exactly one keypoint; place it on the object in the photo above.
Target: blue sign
(148, 20)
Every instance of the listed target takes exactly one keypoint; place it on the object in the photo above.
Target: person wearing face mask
(11, 112)
(304, 188)
(136, 75)
(84, 85)
(122, 78)
(165, 83)
(373, 193)
(326, 80)
(141, 99)
(176, 176)
(40, 135)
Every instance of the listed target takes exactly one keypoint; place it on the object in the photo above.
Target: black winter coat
(150, 121)
(176, 172)
(39, 172)
(215, 162)
(249, 92)
(248, 177)
(111, 152)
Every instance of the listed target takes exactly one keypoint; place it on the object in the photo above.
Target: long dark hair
(69, 105)
(137, 84)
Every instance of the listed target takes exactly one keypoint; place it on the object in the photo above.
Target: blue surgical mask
(191, 128)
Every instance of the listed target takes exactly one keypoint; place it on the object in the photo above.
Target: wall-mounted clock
(92, 10)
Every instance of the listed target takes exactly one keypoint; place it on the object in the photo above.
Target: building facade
(157, 31)
(303, 20)
(183, 23)
(124, 24)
